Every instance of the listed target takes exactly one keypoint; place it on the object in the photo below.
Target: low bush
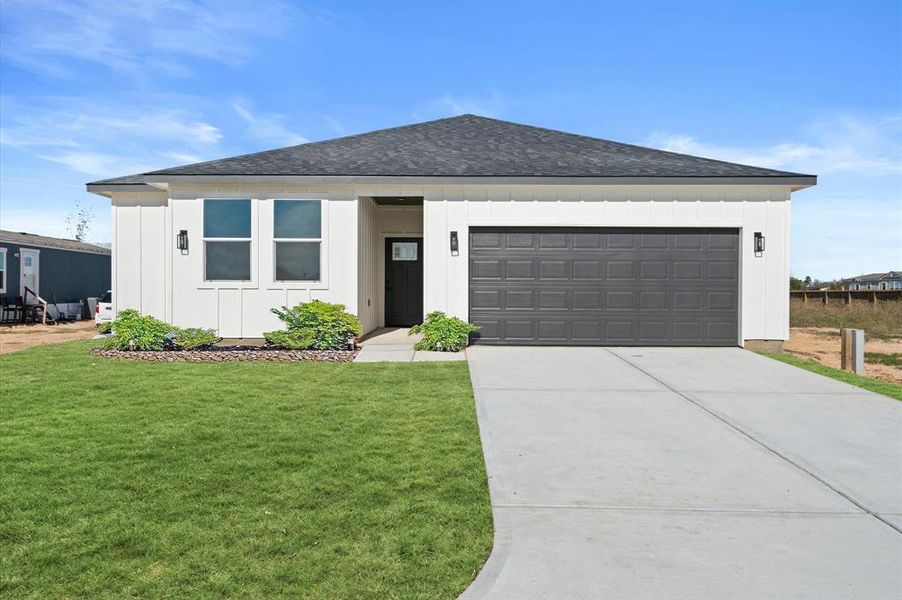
(104, 328)
(328, 325)
(131, 331)
(194, 338)
(442, 333)
(296, 339)
(891, 359)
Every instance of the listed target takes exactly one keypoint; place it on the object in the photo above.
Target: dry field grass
(21, 337)
(883, 320)
(814, 334)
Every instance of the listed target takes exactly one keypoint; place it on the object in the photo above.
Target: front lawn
(254, 480)
(893, 390)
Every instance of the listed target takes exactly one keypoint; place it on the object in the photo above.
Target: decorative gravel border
(230, 354)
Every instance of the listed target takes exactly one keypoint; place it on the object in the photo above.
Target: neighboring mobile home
(537, 236)
(63, 272)
(891, 280)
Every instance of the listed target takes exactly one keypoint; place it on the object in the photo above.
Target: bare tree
(79, 221)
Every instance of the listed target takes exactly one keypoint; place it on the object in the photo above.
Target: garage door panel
(620, 270)
(514, 241)
(554, 269)
(605, 286)
(723, 270)
(482, 240)
(519, 269)
(653, 270)
(723, 241)
(517, 299)
(654, 241)
(486, 269)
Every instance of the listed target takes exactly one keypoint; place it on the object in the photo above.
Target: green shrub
(194, 338)
(443, 333)
(131, 331)
(104, 328)
(296, 339)
(329, 325)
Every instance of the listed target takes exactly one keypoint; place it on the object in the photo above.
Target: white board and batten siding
(150, 274)
(154, 277)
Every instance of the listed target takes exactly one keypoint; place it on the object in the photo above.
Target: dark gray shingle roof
(468, 146)
(876, 276)
(20, 238)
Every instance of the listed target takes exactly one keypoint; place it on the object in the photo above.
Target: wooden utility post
(852, 350)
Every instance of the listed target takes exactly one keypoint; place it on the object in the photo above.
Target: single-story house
(891, 280)
(536, 236)
(63, 272)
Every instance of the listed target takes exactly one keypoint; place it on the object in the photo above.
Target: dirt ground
(822, 345)
(20, 337)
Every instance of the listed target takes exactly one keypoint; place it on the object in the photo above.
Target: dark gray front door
(605, 286)
(403, 281)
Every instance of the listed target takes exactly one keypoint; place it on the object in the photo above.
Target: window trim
(248, 240)
(319, 240)
(4, 270)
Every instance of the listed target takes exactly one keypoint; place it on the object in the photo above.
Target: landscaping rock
(228, 354)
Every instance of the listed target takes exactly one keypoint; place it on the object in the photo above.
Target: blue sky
(98, 89)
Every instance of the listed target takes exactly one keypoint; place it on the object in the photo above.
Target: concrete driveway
(685, 473)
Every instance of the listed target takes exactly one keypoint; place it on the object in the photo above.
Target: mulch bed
(231, 353)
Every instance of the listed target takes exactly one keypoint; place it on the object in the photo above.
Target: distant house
(891, 280)
(63, 272)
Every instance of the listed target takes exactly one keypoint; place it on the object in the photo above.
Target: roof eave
(106, 189)
(797, 182)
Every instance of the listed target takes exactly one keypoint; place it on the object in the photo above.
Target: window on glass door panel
(297, 237)
(227, 239)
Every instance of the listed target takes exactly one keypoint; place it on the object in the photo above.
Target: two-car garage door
(605, 286)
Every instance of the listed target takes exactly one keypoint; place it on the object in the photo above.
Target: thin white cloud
(98, 164)
(267, 127)
(136, 37)
(107, 141)
(859, 144)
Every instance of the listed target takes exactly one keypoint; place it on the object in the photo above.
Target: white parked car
(104, 311)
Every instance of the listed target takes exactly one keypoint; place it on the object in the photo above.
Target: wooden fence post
(852, 350)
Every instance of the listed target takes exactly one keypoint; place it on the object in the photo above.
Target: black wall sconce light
(455, 245)
(182, 241)
(759, 243)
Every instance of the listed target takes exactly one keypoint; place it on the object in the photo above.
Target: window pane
(2, 261)
(227, 218)
(297, 261)
(228, 261)
(297, 218)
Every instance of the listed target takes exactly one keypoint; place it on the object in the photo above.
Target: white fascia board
(795, 182)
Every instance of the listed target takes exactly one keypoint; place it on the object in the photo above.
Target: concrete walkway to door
(684, 473)
(395, 344)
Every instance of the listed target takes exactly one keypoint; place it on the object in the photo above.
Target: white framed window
(2, 270)
(882, 285)
(297, 240)
(227, 239)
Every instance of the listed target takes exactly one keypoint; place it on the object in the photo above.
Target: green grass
(255, 480)
(892, 359)
(881, 321)
(893, 390)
